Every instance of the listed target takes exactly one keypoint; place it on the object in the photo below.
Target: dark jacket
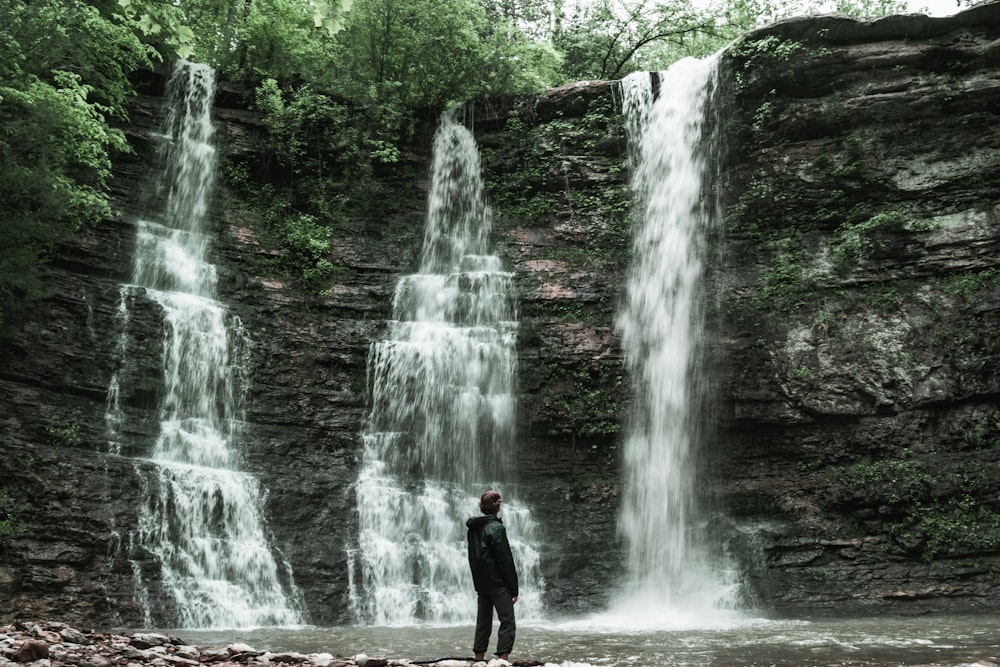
(490, 557)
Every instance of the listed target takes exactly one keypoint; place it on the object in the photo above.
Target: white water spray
(200, 516)
(672, 578)
(441, 425)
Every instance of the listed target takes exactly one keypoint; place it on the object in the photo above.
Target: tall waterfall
(672, 575)
(200, 516)
(442, 419)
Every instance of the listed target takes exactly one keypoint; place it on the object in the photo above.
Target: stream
(874, 641)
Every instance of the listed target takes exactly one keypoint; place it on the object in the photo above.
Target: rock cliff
(854, 339)
(860, 323)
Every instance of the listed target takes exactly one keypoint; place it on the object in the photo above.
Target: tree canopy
(351, 73)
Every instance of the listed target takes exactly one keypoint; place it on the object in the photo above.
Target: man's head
(489, 502)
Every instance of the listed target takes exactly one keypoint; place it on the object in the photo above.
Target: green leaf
(148, 26)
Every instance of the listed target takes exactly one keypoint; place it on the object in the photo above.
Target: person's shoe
(480, 656)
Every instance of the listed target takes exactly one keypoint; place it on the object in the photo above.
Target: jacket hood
(482, 520)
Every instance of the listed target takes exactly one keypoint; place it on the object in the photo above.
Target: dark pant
(500, 599)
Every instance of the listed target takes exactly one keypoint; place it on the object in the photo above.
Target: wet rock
(73, 635)
(185, 651)
(135, 654)
(149, 640)
(214, 654)
(322, 659)
(48, 636)
(363, 660)
(95, 661)
(285, 657)
(31, 650)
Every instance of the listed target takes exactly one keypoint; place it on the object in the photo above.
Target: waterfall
(673, 577)
(441, 425)
(200, 516)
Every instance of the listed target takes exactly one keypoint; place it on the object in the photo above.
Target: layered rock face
(860, 329)
(854, 342)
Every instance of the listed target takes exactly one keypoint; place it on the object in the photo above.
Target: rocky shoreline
(54, 644)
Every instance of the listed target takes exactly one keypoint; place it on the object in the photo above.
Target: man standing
(494, 576)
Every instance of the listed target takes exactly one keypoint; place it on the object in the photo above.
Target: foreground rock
(53, 644)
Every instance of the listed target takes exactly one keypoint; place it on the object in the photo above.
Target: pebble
(53, 644)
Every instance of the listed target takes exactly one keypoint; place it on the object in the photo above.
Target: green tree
(160, 24)
(63, 78)
(424, 54)
(607, 39)
(244, 39)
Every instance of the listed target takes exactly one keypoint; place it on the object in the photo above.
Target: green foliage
(522, 187)
(308, 245)
(785, 285)
(279, 38)
(413, 56)
(766, 50)
(587, 399)
(607, 39)
(920, 520)
(9, 525)
(534, 182)
(312, 132)
(899, 480)
(765, 112)
(872, 8)
(427, 54)
(159, 23)
(64, 433)
(324, 67)
(594, 402)
(967, 285)
(756, 55)
(58, 94)
(952, 526)
(885, 298)
(857, 241)
(298, 243)
(327, 149)
(802, 373)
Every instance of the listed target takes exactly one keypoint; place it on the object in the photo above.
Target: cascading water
(441, 425)
(673, 577)
(200, 516)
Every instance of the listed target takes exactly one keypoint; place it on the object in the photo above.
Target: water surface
(883, 641)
